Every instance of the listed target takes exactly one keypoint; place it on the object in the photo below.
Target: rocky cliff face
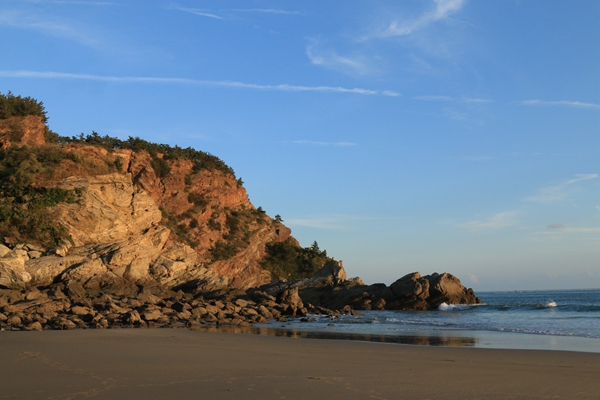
(187, 227)
(23, 130)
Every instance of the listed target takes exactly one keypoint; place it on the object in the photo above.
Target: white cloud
(568, 230)
(501, 220)
(448, 98)
(212, 14)
(475, 100)
(184, 81)
(564, 103)
(50, 27)
(336, 222)
(581, 177)
(443, 9)
(77, 2)
(197, 11)
(473, 278)
(559, 192)
(267, 11)
(354, 64)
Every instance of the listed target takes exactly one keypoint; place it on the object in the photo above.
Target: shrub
(17, 106)
(290, 261)
(198, 199)
(223, 251)
(200, 159)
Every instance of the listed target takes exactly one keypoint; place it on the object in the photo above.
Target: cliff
(125, 221)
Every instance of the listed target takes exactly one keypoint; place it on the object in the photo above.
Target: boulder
(329, 288)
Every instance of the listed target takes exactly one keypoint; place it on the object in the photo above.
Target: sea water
(550, 320)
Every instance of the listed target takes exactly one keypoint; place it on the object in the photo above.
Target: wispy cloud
(560, 229)
(185, 81)
(562, 103)
(352, 64)
(449, 98)
(442, 10)
(478, 101)
(316, 143)
(337, 222)
(196, 11)
(501, 220)
(230, 13)
(559, 192)
(473, 278)
(581, 177)
(49, 26)
(77, 2)
(267, 11)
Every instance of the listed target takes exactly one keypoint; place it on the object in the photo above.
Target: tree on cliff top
(17, 106)
(289, 261)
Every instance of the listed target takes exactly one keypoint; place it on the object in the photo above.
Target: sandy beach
(179, 363)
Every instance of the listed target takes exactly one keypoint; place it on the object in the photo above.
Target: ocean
(543, 320)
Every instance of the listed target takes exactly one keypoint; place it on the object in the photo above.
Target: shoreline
(437, 338)
(163, 363)
(445, 337)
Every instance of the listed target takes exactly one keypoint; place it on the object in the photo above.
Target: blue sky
(430, 135)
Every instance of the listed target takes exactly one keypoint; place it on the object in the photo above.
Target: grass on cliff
(286, 260)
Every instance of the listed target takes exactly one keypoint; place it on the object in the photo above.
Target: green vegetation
(289, 261)
(223, 251)
(240, 226)
(21, 166)
(23, 205)
(198, 199)
(201, 160)
(17, 106)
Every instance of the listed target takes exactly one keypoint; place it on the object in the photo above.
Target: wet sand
(179, 363)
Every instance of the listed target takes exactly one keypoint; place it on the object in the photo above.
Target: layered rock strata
(116, 239)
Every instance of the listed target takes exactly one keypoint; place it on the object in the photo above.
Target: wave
(454, 307)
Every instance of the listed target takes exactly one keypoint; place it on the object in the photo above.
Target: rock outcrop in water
(330, 289)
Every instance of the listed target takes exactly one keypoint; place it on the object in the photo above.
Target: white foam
(551, 304)
(446, 307)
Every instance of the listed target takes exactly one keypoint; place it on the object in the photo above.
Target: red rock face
(208, 197)
(27, 130)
